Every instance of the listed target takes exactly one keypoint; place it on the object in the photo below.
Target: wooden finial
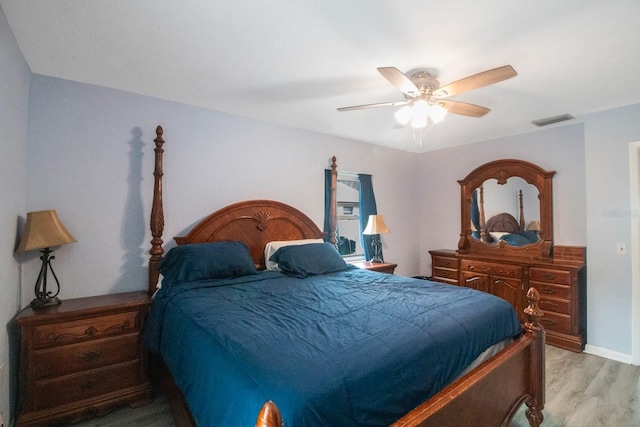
(269, 416)
(533, 312)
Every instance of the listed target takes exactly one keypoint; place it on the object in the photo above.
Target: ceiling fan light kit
(425, 101)
(419, 112)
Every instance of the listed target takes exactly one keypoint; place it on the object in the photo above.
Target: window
(348, 210)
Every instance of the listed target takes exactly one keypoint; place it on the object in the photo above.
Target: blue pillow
(515, 239)
(200, 261)
(311, 259)
(531, 236)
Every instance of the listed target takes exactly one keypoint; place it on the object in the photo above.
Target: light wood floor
(582, 391)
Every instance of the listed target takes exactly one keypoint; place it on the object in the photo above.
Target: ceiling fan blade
(485, 78)
(462, 108)
(379, 104)
(399, 80)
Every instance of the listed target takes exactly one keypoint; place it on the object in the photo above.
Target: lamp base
(376, 260)
(37, 303)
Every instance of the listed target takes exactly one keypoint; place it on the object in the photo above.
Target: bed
(316, 342)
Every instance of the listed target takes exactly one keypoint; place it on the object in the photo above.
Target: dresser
(560, 281)
(82, 358)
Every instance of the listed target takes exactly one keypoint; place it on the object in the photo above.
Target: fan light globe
(418, 122)
(437, 113)
(420, 114)
(403, 115)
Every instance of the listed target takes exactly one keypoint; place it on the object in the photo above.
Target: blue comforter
(340, 349)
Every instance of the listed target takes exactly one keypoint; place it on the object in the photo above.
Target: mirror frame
(502, 170)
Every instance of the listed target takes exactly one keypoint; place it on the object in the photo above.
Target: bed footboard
(490, 395)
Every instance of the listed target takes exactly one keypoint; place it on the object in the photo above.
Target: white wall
(91, 158)
(14, 96)
(607, 138)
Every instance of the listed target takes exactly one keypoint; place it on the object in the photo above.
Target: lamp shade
(376, 225)
(534, 226)
(43, 230)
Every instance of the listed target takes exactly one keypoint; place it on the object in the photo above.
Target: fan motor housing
(425, 82)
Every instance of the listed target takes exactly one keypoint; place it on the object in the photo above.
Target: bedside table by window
(383, 267)
(82, 358)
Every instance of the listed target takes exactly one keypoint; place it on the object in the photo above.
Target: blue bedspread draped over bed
(341, 349)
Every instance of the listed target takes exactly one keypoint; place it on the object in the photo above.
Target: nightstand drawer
(56, 334)
(75, 387)
(72, 358)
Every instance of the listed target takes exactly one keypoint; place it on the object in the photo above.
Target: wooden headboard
(503, 222)
(253, 222)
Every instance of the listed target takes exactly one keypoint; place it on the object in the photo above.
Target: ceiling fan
(425, 100)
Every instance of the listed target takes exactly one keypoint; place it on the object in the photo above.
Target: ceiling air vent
(552, 120)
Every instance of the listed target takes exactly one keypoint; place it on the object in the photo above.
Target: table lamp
(375, 227)
(43, 231)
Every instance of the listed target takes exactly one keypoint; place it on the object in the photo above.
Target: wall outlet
(621, 248)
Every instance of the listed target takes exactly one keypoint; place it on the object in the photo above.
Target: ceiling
(293, 62)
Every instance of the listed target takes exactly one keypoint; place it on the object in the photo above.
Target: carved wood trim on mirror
(501, 171)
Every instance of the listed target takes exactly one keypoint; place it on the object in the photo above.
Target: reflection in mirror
(502, 209)
(510, 212)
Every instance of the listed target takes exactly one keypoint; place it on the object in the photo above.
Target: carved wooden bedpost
(535, 403)
(157, 214)
(522, 222)
(483, 225)
(269, 416)
(333, 209)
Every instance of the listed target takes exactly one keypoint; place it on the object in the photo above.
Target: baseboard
(613, 355)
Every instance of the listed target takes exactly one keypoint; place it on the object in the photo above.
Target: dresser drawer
(552, 290)
(444, 262)
(75, 387)
(443, 273)
(505, 270)
(72, 358)
(556, 322)
(556, 305)
(561, 277)
(56, 334)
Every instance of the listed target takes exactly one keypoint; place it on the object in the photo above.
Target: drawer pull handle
(551, 303)
(89, 385)
(115, 328)
(90, 332)
(548, 322)
(548, 276)
(549, 291)
(92, 355)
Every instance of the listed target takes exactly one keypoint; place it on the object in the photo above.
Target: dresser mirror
(507, 210)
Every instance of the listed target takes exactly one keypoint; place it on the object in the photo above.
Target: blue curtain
(367, 207)
(475, 214)
(327, 202)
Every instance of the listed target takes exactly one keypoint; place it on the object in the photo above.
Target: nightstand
(383, 267)
(82, 358)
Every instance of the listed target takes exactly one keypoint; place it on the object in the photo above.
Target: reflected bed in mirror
(507, 210)
(502, 203)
